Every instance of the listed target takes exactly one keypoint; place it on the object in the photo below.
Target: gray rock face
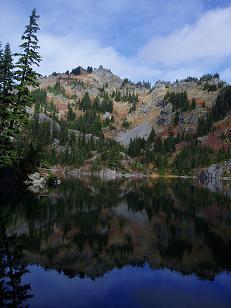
(107, 115)
(77, 134)
(161, 84)
(104, 76)
(34, 176)
(212, 174)
(144, 108)
(216, 172)
(141, 131)
(166, 114)
(44, 118)
(217, 178)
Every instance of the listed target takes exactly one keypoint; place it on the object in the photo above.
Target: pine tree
(70, 114)
(152, 136)
(89, 69)
(25, 74)
(85, 103)
(194, 104)
(1, 54)
(6, 102)
(6, 86)
(7, 71)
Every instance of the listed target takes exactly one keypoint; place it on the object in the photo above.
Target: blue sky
(148, 39)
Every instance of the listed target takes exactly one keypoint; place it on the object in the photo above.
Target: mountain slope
(175, 114)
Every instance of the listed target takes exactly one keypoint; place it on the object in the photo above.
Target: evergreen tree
(152, 136)
(193, 105)
(25, 73)
(176, 118)
(76, 71)
(85, 103)
(1, 60)
(223, 104)
(178, 100)
(71, 116)
(89, 69)
(7, 154)
(6, 87)
(125, 123)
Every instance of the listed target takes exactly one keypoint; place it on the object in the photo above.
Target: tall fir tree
(6, 102)
(25, 73)
(1, 82)
(6, 89)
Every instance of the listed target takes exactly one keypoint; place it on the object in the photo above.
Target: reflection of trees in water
(13, 292)
(83, 213)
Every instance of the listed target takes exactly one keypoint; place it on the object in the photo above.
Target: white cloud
(202, 47)
(62, 53)
(226, 74)
(207, 41)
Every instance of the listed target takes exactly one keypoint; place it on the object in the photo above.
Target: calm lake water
(90, 243)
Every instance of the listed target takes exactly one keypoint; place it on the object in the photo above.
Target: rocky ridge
(151, 110)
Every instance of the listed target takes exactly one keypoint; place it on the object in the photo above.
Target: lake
(123, 243)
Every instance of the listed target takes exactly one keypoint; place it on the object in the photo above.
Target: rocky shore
(216, 172)
(106, 174)
(37, 182)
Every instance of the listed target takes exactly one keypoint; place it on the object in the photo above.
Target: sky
(141, 40)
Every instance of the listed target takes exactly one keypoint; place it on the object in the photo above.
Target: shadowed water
(123, 243)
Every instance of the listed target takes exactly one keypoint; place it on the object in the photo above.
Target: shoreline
(113, 174)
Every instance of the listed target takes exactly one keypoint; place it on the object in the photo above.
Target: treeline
(194, 156)
(46, 142)
(179, 101)
(127, 96)
(160, 153)
(57, 89)
(102, 103)
(139, 84)
(49, 140)
(219, 111)
(78, 70)
(155, 143)
(203, 78)
(39, 97)
(89, 123)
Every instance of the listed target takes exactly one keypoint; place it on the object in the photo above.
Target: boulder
(36, 182)
(34, 176)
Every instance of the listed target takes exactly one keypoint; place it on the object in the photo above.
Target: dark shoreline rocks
(36, 182)
(106, 174)
(216, 172)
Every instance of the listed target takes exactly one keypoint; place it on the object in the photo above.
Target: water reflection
(87, 227)
(13, 292)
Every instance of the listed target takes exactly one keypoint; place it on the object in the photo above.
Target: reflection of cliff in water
(217, 185)
(89, 227)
